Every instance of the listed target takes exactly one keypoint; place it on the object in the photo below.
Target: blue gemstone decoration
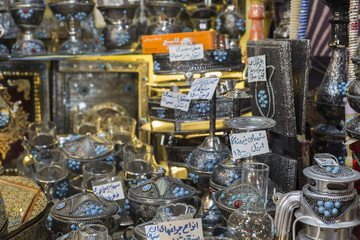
(220, 55)
(123, 38)
(334, 211)
(329, 205)
(80, 16)
(156, 66)
(60, 206)
(327, 214)
(222, 196)
(328, 169)
(337, 204)
(72, 227)
(146, 187)
(321, 209)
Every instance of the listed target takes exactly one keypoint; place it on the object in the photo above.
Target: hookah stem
(353, 33)
(72, 29)
(294, 19)
(212, 116)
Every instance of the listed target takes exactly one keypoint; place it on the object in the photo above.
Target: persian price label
(175, 100)
(203, 88)
(257, 68)
(249, 144)
(190, 229)
(325, 159)
(152, 232)
(112, 190)
(186, 52)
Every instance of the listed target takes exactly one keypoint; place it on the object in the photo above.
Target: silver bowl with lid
(83, 208)
(143, 200)
(86, 148)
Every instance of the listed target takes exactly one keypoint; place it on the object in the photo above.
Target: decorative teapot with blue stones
(83, 208)
(328, 205)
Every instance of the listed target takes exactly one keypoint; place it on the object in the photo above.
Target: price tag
(152, 232)
(190, 229)
(186, 52)
(175, 100)
(326, 160)
(249, 144)
(203, 26)
(111, 191)
(257, 69)
(203, 88)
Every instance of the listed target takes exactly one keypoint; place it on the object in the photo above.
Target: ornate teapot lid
(84, 206)
(88, 147)
(161, 189)
(329, 170)
(325, 174)
(251, 123)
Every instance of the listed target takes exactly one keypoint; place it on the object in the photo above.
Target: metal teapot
(328, 205)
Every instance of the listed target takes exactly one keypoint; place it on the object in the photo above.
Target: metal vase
(27, 15)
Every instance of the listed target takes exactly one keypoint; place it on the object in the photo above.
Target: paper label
(203, 88)
(152, 232)
(186, 52)
(175, 100)
(325, 159)
(249, 144)
(257, 69)
(111, 191)
(203, 26)
(190, 229)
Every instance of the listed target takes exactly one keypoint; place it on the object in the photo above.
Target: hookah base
(74, 47)
(28, 47)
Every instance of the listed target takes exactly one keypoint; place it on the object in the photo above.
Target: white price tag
(203, 88)
(175, 100)
(203, 26)
(152, 232)
(326, 160)
(111, 191)
(257, 68)
(186, 52)
(249, 144)
(190, 229)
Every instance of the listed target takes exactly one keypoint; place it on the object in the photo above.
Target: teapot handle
(116, 219)
(131, 228)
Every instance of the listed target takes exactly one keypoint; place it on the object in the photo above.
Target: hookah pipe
(353, 33)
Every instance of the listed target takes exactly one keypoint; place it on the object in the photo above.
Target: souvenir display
(192, 125)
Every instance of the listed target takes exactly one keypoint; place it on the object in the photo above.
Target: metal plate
(250, 123)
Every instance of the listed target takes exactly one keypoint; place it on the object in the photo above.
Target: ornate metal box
(94, 80)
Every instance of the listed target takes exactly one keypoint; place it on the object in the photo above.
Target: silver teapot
(328, 206)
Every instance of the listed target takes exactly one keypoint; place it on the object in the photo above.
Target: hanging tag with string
(264, 96)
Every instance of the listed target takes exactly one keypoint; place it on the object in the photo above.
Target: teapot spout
(285, 206)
